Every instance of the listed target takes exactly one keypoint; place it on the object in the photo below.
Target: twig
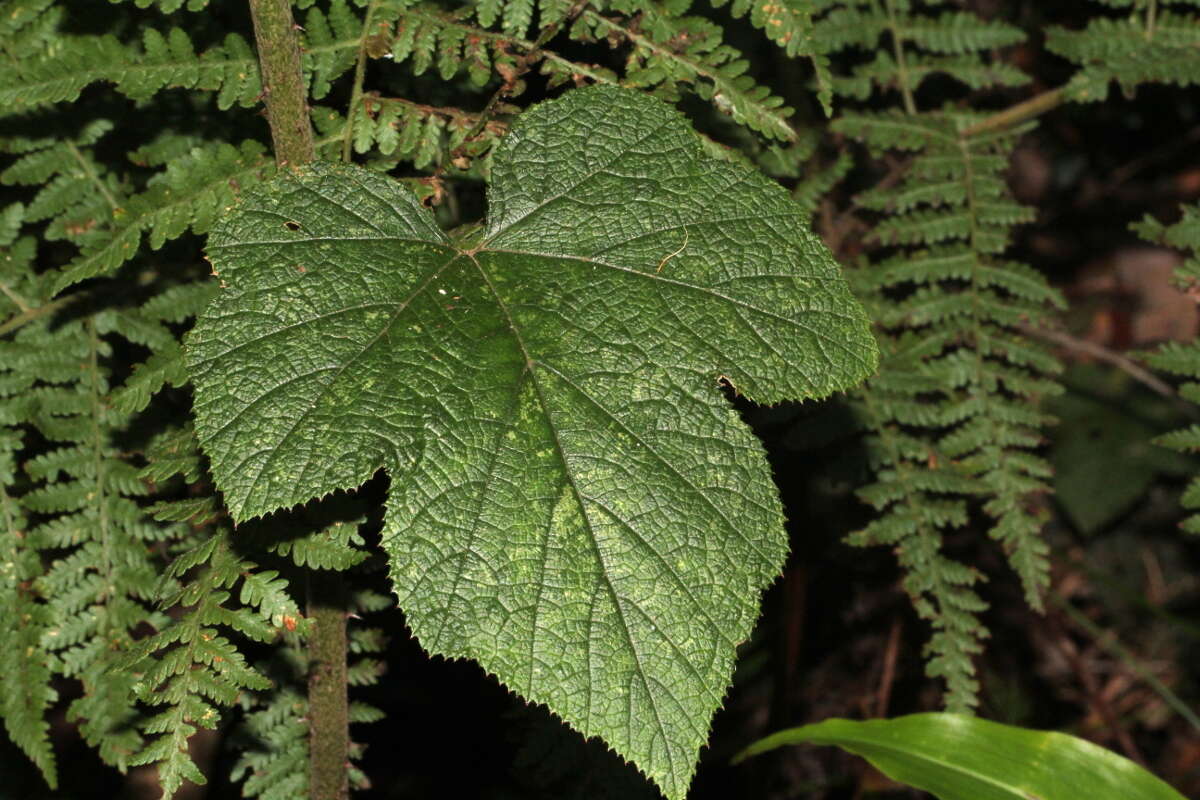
(883, 697)
(1101, 353)
(523, 63)
(283, 81)
(1107, 642)
(17, 299)
(1131, 168)
(292, 136)
(360, 68)
(29, 315)
(663, 263)
(1034, 106)
(1098, 701)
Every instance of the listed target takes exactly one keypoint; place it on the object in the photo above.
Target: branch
(283, 81)
(523, 63)
(328, 708)
(1034, 106)
(359, 71)
(29, 315)
(779, 124)
(1100, 353)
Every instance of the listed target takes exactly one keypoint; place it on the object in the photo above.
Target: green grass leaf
(574, 503)
(958, 757)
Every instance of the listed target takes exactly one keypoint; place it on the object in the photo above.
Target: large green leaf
(573, 503)
(959, 757)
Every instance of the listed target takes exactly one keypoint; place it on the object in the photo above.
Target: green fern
(789, 24)
(92, 534)
(952, 416)
(165, 366)
(428, 136)
(26, 668)
(188, 195)
(910, 45)
(273, 738)
(28, 27)
(669, 50)
(77, 195)
(1180, 358)
(78, 618)
(962, 383)
(190, 667)
(1149, 45)
(101, 579)
(333, 39)
(666, 50)
(162, 61)
(168, 6)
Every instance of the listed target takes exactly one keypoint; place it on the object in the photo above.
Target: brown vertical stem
(283, 81)
(328, 709)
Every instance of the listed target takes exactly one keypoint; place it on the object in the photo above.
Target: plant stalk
(1035, 106)
(283, 81)
(328, 709)
(523, 64)
(906, 91)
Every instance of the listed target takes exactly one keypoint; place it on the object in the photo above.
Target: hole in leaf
(292, 226)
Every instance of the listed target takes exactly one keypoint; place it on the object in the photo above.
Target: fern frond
(958, 33)
(484, 53)
(930, 42)
(168, 6)
(426, 135)
(951, 418)
(162, 61)
(332, 40)
(78, 195)
(330, 548)
(28, 28)
(274, 734)
(940, 588)
(25, 667)
(667, 50)
(190, 666)
(1147, 47)
(516, 16)
(808, 191)
(274, 755)
(789, 24)
(670, 50)
(98, 587)
(100, 545)
(187, 195)
(1181, 358)
(968, 400)
(91, 532)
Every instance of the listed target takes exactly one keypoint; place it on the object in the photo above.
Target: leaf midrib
(577, 492)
